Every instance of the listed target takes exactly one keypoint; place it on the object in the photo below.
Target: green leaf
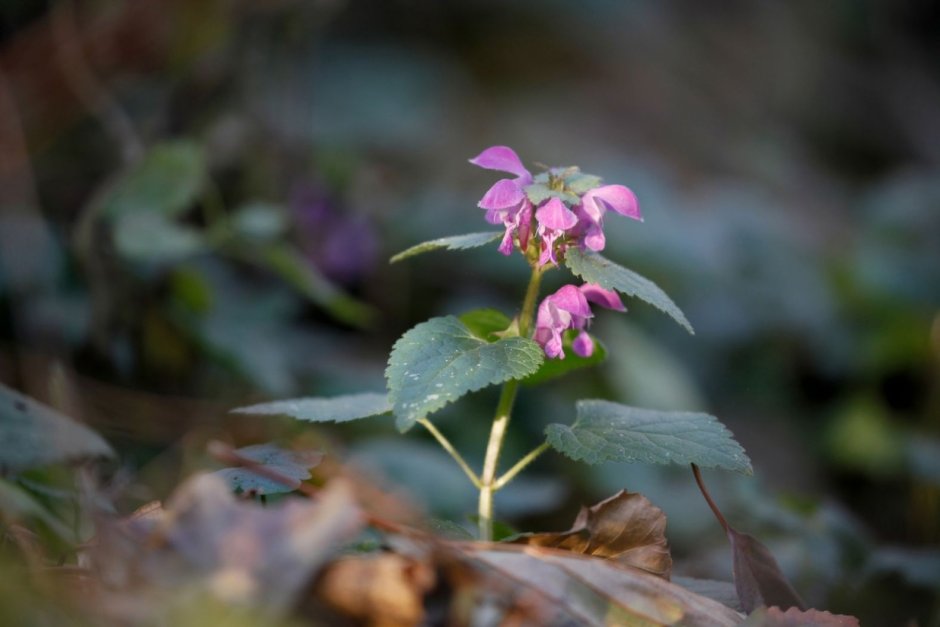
(606, 431)
(153, 237)
(166, 181)
(454, 242)
(578, 182)
(538, 193)
(302, 275)
(484, 323)
(293, 465)
(335, 409)
(594, 268)
(553, 368)
(440, 360)
(34, 435)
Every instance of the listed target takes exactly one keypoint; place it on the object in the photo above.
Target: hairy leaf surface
(331, 409)
(607, 431)
(454, 242)
(440, 360)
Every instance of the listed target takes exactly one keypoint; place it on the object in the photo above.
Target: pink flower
(568, 308)
(594, 204)
(553, 218)
(506, 202)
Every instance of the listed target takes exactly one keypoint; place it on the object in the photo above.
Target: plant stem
(510, 474)
(501, 419)
(445, 443)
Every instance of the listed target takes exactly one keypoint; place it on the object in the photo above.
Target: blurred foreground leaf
(793, 617)
(606, 431)
(240, 552)
(576, 589)
(440, 360)
(33, 435)
(334, 409)
(454, 242)
(291, 465)
(594, 268)
(626, 528)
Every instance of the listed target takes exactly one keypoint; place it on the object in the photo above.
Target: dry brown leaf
(626, 528)
(794, 617)
(382, 590)
(592, 591)
(240, 551)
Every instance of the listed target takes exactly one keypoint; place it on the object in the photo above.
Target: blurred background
(198, 201)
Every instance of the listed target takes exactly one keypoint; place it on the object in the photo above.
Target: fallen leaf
(626, 528)
(757, 576)
(238, 550)
(793, 617)
(591, 591)
(382, 589)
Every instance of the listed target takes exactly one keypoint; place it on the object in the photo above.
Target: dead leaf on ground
(626, 528)
(591, 591)
(384, 589)
(240, 551)
(793, 617)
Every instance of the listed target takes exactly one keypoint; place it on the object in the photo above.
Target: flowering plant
(554, 220)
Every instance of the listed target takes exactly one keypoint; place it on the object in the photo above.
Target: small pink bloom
(595, 203)
(506, 202)
(554, 218)
(568, 308)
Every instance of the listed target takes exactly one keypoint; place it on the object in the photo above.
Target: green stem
(445, 443)
(501, 419)
(510, 474)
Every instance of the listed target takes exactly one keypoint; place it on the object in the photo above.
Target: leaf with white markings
(606, 431)
(454, 242)
(594, 268)
(293, 465)
(440, 360)
(333, 409)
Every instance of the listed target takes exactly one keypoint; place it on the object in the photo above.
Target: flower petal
(555, 215)
(583, 345)
(617, 198)
(570, 299)
(505, 193)
(503, 159)
(599, 296)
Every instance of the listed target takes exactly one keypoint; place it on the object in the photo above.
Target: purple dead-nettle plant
(555, 221)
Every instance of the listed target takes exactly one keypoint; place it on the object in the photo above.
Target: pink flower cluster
(557, 225)
(562, 218)
(568, 308)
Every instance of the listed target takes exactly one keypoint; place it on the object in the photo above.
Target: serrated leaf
(293, 465)
(553, 368)
(34, 435)
(153, 237)
(165, 181)
(454, 242)
(440, 360)
(484, 323)
(606, 431)
(332, 409)
(626, 528)
(594, 268)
